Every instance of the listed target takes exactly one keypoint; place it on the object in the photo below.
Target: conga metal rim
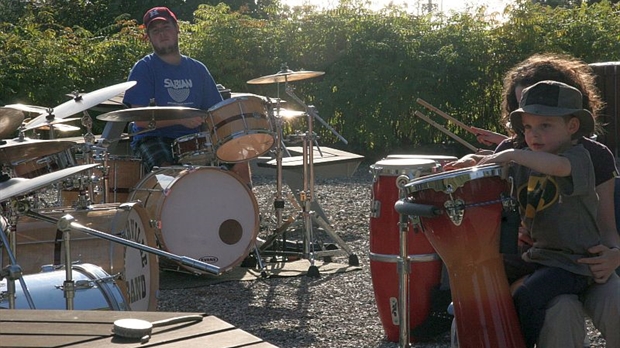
(401, 166)
(450, 181)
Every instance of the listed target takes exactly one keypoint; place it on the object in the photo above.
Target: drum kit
(452, 216)
(100, 251)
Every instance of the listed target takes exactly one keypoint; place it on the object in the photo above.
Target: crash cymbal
(79, 103)
(20, 186)
(29, 109)
(286, 113)
(13, 150)
(10, 120)
(285, 76)
(152, 113)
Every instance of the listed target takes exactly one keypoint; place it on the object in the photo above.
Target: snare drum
(205, 213)
(385, 247)
(95, 289)
(194, 149)
(240, 128)
(138, 272)
(466, 236)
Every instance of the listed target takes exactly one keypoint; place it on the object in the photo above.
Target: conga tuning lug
(455, 210)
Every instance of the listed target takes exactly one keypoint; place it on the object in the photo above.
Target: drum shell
(194, 149)
(205, 213)
(484, 310)
(46, 290)
(240, 128)
(139, 277)
(385, 240)
(35, 167)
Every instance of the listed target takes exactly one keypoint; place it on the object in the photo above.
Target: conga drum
(465, 234)
(385, 247)
(441, 159)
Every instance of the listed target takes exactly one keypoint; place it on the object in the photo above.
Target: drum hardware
(80, 102)
(13, 271)
(306, 196)
(67, 223)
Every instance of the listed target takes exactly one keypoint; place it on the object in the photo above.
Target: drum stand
(306, 196)
(13, 271)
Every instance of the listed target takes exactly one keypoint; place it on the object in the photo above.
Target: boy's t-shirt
(560, 212)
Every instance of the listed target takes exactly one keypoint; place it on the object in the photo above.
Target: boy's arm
(542, 162)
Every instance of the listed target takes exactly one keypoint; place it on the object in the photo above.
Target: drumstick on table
(441, 128)
(446, 116)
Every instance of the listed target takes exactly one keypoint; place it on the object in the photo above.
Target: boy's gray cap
(552, 98)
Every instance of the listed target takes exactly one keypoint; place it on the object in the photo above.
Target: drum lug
(375, 209)
(455, 208)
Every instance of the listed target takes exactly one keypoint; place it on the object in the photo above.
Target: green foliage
(376, 64)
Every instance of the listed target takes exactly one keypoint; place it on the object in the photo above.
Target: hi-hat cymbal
(79, 103)
(285, 76)
(20, 186)
(152, 113)
(10, 120)
(12, 150)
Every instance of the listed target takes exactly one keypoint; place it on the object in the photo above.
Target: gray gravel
(335, 310)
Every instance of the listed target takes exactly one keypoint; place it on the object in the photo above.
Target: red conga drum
(465, 234)
(385, 247)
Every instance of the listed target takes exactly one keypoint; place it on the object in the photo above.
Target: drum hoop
(100, 277)
(234, 99)
(238, 117)
(452, 180)
(388, 169)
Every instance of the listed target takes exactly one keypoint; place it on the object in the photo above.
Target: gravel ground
(334, 310)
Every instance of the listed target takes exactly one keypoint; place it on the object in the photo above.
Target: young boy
(555, 185)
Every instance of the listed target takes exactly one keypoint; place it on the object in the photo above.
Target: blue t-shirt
(188, 84)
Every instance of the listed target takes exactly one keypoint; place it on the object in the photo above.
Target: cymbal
(31, 109)
(60, 127)
(10, 120)
(286, 113)
(285, 76)
(80, 103)
(12, 150)
(21, 186)
(152, 113)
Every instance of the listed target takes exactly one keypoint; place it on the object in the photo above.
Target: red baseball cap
(158, 13)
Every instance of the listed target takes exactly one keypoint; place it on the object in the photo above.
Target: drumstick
(446, 116)
(441, 128)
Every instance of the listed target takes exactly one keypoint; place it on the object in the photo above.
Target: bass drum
(137, 272)
(95, 289)
(205, 213)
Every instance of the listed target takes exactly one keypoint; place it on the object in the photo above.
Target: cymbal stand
(13, 271)
(306, 197)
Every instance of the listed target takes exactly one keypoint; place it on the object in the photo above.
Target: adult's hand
(488, 138)
(604, 263)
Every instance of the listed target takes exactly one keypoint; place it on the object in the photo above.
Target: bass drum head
(205, 213)
(140, 276)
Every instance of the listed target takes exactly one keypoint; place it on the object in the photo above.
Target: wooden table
(61, 328)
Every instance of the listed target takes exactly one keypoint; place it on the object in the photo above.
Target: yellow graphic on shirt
(540, 192)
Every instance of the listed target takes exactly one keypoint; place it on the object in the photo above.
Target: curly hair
(562, 68)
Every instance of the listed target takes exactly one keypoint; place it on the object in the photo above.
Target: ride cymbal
(21, 186)
(285, 76)
(79, 103)
(152, 113)
(12, 150)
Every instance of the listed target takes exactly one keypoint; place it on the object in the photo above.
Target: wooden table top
(61, 328)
